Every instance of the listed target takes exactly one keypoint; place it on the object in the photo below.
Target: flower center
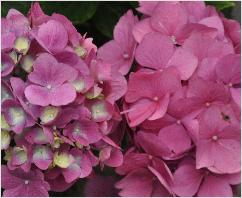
(215, 137)
(26, 182)
(48, 86)
(125, 55)
(155, 98)
(173, 39)
(207, 104)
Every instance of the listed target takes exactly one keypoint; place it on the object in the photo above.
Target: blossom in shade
(218, 141)
(120, 51)
(189, 181)
(18, 183)
(50, 82)
(165, 55)
(148, 94)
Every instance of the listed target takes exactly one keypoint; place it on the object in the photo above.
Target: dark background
(98, 20)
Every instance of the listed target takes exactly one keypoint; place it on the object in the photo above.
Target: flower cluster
(182, 102)
(62, 115)
(59, 113)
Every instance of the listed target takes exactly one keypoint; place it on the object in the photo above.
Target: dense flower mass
(182, 103)
(166, 89)
(59, 111)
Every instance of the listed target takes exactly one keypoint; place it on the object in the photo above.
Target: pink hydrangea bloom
(50, 82)
(120, 51)
(18, 183)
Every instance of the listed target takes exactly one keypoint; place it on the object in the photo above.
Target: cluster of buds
(59, 113)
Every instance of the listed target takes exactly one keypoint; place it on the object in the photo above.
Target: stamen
(215, 137)
(48, 86)
(26, 182)
(207, 104)
(155, 98)
(125, 55)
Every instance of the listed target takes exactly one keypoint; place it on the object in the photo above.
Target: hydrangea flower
(120, 51)
(50, 82)
(18, 183)
(59, 106)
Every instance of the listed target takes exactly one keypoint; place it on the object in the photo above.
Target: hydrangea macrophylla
(148, 94)
(201, 117)
(59, 104)
(218, 140)
(120, 51)
(156, 177)
(51, 84)
(18, 183)
(165, 55)
(189, 181)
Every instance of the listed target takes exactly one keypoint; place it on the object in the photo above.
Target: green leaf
(221, 5)
(108, 15)
(22, 6)
(77, 12)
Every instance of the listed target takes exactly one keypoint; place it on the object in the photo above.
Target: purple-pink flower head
(50, 82)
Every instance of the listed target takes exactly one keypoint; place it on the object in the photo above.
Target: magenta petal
(132, 185)
(187, 179)
(80, 168)
(147, 7)
(37, 95)
(214, 22)
(220, 187)
(185, 62)
(141, 29)
(7, 65)
(115, 158)
(37, 136)
(228, 69)
(62, 95)
(169, 17)
(152, 144)
(42, 157)
(52, 36)
(140, 111)
(49, 72)
(154, 57)
(161, 108)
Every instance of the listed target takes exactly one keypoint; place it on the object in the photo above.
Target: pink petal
(185, 62)
(187, 179)
(115, 159)
(168, 17)
(52, 36)
(123, 31)
(62, 95)
(175, 138)
(214, 22)
(152, 144)
(228, 69)
(146, 7)
(140, 111)
(42, 157)
(220, 188)
(161, 108)
(37, 95)
(142, 28)
(154, 57)
(138, 183)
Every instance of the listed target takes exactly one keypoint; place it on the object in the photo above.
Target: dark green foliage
(96, 18)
